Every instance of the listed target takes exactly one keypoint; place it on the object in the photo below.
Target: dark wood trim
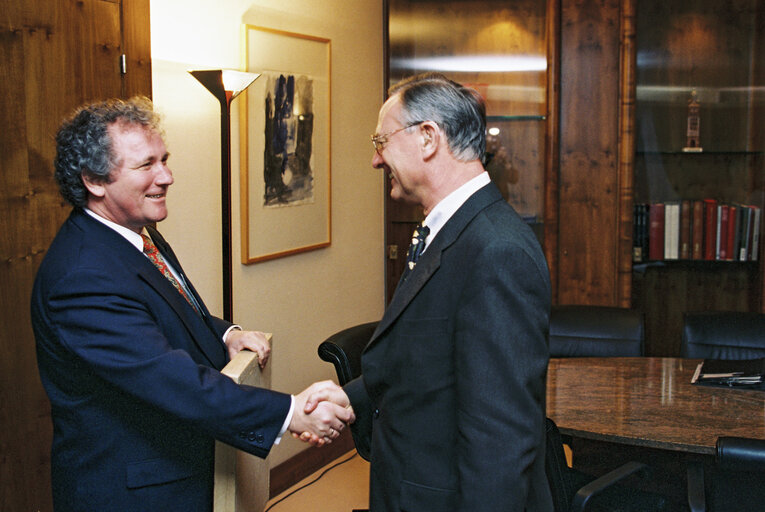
(296, 468)
(626, 150)
(552, 144)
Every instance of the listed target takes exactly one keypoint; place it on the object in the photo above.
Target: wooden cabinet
(698, 64)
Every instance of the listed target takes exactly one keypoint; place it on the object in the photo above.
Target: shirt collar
(449, 205)
(130, 235)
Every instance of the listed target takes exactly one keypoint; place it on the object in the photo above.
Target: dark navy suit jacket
(131, 371)
(451, 399)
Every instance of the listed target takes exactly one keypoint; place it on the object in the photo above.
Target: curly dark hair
(84, 147)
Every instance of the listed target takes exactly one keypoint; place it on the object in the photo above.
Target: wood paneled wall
(588, 197)
(54, 56)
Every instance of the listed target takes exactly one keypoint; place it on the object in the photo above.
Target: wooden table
(648, 402)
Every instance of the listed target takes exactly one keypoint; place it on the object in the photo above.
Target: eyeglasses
(380, 140)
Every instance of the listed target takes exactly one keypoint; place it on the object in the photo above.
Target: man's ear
(95, 188)
(431, 137)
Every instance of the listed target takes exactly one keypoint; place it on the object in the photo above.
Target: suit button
(376, 414)
(242, 435)
(252, 436)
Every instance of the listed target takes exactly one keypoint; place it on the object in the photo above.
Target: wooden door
(55, 55)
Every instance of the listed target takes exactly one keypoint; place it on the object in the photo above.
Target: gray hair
(458, 110)
(84, 147)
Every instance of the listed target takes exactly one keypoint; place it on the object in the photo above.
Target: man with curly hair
(127, 350)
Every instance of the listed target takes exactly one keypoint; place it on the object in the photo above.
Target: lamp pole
(216, 81)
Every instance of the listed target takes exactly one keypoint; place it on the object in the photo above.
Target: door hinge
(123, 64)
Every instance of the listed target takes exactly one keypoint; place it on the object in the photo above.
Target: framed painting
(285, 145)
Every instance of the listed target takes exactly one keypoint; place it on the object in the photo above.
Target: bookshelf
(699, 167)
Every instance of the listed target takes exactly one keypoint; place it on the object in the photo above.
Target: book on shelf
(721, 244)
(671, 230)
(740, 373)
(685, 230)
(710, 228)
(640, 233)
(697, 231)
(754, 233)
(706, 229)
(656, 231)
(744, 225)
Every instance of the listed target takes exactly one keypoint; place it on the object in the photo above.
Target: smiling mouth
(155, 196)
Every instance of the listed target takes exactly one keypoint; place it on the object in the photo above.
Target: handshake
(321, 412)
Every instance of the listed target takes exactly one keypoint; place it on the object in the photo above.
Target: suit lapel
(146, 271)
(431, 258)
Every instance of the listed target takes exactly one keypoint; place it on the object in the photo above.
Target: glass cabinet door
(500, 49)
(699, 163)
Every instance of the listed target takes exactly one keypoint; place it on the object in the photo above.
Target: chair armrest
(600, 484)
(343, 350)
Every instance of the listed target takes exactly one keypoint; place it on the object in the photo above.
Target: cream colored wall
(304, 298)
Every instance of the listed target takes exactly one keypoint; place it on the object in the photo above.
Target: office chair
(734, 482)
(723, 335)
(343, 349)
(573, 490)
(596, 331)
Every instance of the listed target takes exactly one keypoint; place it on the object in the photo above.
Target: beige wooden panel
(241, 479)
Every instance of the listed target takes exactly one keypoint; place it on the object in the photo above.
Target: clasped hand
(321, 412)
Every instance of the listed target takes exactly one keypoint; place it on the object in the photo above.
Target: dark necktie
(416, 247)
(150, 250)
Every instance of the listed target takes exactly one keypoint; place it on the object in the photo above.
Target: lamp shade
(224, 84)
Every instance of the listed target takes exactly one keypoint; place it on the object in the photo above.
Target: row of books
(696, 230)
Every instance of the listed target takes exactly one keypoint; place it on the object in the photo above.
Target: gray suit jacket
(451, 400)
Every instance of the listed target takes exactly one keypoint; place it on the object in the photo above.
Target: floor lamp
(225, 85)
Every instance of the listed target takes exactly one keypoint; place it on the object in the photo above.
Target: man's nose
(377, 160)
(165, 176)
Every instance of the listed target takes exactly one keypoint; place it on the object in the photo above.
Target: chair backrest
(596, 331)
(741, 454)
(556, 467)
(343, 349)
(735, 483)
(729, 335)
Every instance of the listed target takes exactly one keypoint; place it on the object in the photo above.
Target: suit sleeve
(106, 323)
(501, 361)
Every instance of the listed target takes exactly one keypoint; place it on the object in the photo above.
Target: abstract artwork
(288, 135)
(285, 145)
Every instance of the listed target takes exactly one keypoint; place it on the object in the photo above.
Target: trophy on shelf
(692, 144)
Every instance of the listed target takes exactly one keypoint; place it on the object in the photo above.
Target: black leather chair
(729, 335)
(573, 490)
(734, 482)
(596, 331)
(343, 349)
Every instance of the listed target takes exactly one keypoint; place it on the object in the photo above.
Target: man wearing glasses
(452, 394)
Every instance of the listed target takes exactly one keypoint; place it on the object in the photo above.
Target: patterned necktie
(150, 250)
(416, 247)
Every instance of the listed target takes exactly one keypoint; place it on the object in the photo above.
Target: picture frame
(285, 127)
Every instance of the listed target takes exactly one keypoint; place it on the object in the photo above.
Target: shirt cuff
(232, 328)
(287, 420)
